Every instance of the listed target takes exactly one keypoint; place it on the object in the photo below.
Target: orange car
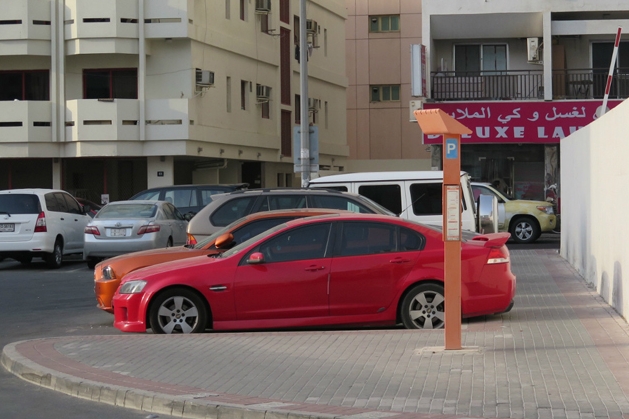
(109, 273)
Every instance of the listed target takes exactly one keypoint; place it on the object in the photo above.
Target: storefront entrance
(516, 170)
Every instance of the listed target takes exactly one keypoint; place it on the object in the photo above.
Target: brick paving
(562, 352)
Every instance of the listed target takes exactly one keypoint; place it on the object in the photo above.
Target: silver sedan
(129, 226)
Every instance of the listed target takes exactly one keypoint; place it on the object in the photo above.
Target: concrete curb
(195, 406)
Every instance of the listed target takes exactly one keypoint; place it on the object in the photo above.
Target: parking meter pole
(437, 122)
(451, 210)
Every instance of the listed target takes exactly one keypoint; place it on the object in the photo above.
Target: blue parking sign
(452, 148)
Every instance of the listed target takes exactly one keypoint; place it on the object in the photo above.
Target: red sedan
(342, 269)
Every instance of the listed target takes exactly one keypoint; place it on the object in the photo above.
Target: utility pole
(303, 84)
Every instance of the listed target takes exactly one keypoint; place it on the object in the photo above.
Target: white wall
(594, 202)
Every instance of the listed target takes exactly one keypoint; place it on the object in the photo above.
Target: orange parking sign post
(433, 122)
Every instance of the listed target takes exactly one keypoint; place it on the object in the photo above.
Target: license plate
(118, 232)
(7, 228)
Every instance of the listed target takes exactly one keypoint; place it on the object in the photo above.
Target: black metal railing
(528, 84)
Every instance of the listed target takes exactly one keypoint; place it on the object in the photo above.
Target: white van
(413, 195)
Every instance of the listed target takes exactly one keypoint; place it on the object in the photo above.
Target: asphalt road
(38, 302)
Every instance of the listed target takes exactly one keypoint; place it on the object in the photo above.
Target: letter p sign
(452, 150)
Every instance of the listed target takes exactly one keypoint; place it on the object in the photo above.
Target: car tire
(178, 311)
(524, 230)
(26, 260)
(92, 262)
(423, 307)
(55, 259)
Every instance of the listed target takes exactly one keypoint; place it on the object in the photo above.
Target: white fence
(595, 204)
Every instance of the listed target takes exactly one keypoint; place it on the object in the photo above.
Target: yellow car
(525, 220)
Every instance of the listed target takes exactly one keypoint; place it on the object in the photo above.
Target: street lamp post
(303, 84)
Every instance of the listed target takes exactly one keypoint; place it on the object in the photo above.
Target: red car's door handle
(399, 260)
(313, 268)
(218, 288)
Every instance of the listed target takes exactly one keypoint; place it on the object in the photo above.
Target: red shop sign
(518, 121)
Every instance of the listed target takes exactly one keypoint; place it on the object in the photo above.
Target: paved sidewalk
(562, 352)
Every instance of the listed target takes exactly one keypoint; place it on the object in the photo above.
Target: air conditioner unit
(204, 77)
(263, 6)
(313, 104)
(263, 92)
(311, 26)
(532, 50)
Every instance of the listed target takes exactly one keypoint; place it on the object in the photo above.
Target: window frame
(111, 72)
(381, 89)
(24, 84)
(380, 19)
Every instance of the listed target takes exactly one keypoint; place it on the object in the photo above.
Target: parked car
(128, 226)
(340, 269)
(91, 207)
(526, 220)
(189, 199)
(46, 223)
(414, 194)
(226, 208)
(109, 273)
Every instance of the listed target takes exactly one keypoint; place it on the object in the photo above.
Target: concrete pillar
(56, 173)
(160, 171)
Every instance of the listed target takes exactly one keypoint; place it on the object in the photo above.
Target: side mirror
(255, 258)
(188, 216)
(223, 240)
(85, 209)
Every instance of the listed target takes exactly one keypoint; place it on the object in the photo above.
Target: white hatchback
(46, 223)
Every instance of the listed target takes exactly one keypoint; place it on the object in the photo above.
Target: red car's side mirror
(255, 258)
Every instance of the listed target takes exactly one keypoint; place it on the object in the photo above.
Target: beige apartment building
(114, 96)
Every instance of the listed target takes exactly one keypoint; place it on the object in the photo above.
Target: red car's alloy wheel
(424, 307)
(178, 311)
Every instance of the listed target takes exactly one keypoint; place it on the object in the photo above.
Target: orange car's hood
(129, 262)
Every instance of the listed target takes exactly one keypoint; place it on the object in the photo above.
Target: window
(298, 109)
(72, 205)
(426, 198)
(243, 94)
(254, 228)
(266, 110)
(468, 59)
(228, 93)
(389, 23)
(110, 84)
(232, 210)
(300, 243)
(283, 202)
(24, 85)
(287, 134)
(389, 196)
(228, 9)
(337, 202)
(182, 197)
(264, 23)
(285, 11)
(368, 238)
(243, 9)
(389, 93)
(360, 238)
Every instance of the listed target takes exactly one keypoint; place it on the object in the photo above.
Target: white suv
(46, 223)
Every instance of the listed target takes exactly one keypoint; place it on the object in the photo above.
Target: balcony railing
(528, 84)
